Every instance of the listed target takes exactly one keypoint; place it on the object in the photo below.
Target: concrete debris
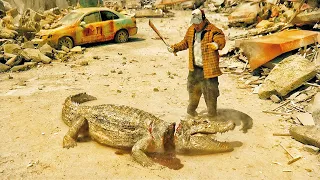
(12, 60)
(14, 57)
(11, 48)
(27, 44)
(47, 50)
(288, 75)
(65, 49)
(244, 14)
(265, 24)
(77, 50)
(35, 55)
(275, 98)
(30, 21)
(4, 68)
(305, 119)
(294, 13)
(316, 109)
(306, 134)
(7, 33)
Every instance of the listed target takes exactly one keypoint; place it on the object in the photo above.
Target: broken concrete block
(19, 68)
(76, 49)
(288, 75)
(316, 108)
(306, 134)
(47, 50)
(4, 68)
(31, 64)
(305, 119)
(11, 61)
(307, 17)
(11, 48)
(263, 49)
(8, 56)
(264, 24)
(245, 13)
(65, 49)
(28, 44)
(275, 98)
(35, 55)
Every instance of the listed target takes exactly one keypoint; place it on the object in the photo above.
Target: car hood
(44, 32)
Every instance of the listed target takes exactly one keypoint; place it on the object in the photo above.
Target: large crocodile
(126, 127)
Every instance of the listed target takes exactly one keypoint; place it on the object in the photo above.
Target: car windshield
(70, 18)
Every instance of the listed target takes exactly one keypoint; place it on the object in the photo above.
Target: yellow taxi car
(89, 25)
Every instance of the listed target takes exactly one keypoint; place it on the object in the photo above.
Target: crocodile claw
(69, 142)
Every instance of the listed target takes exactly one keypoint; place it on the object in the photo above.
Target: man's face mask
(196, 17)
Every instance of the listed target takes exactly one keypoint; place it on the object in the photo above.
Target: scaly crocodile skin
(126, 127)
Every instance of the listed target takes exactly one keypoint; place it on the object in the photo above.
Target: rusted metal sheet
(261, 50)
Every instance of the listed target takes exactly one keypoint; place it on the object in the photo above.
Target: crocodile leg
(139, 149)
(70, 138)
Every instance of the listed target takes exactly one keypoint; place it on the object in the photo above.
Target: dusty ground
(32, 130)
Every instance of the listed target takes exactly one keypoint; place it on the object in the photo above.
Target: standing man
(203, 40)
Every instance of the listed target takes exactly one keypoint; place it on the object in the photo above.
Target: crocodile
(126, 127)
(306, 134)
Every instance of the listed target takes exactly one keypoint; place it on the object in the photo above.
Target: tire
(65, 41)
(121, 36)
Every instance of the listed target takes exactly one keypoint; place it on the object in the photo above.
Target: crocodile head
(196, 137)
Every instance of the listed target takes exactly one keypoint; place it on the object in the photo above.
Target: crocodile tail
(71, 106)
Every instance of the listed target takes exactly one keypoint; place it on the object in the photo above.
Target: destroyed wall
(90, 3)
(38, 5)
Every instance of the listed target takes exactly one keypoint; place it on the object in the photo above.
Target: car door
(110, 24)
(92, 29)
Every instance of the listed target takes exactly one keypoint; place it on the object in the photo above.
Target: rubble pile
(277, 60)
(15, 57)
(264, 14)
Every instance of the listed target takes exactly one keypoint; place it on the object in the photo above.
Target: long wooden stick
(279, 113)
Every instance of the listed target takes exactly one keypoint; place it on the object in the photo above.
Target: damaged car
(88, 25)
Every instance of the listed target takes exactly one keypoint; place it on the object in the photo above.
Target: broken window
(107, 15)
(92, 18)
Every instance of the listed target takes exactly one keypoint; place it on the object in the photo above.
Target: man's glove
(170, 49)
(213, 46)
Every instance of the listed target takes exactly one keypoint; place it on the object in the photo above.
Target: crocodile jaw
(202, 144)
(196, 138)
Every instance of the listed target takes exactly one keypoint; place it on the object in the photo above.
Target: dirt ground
(141, 74)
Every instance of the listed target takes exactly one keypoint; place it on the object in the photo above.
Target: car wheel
(121, 36)
(65, 41)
